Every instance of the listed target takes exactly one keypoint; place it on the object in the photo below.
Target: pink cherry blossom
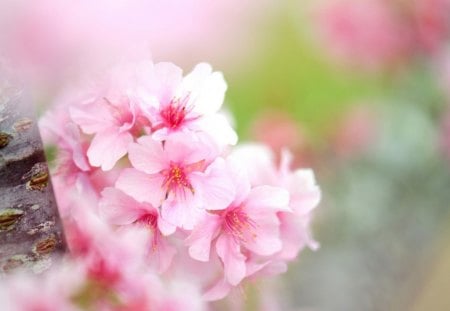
(73, 175)
(109, 110)
(248, 225)
(120, 209)
(113, 122)
(304, 194)
(190, 104)
(183, 176)
(295, 229)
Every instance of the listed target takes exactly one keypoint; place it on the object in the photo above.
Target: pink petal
(305, 194)
(296, 234)
(165, 227)
(268, 268)
(181, 214)
(207, 88)
(165, 80)
(259, 162)
(239, 176)
(218, 124)
(215, 186)
(78, 154)
(200, 239)
(233, 260)
(266, 232)
(118, 208)
(218, 291)
(107, 148)
(164, 253)
(142, 187)
(92, 118)
(161, 134)
(147, 155)
(188, 148)
(268, 197)
(193, 80)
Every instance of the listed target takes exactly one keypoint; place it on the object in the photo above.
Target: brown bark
(31, 234)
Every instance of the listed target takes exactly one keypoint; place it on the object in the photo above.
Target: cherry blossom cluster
(144, 148)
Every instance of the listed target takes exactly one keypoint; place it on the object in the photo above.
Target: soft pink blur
(52, 39)
(433, 23)
(363, 33)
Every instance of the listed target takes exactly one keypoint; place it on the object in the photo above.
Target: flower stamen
(239, 225)
(176, 179)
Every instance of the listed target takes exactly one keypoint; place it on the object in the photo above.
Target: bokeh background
(358, 90)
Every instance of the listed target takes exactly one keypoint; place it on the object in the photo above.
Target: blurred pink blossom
(49, 292)
(432, 18)
(366, 33)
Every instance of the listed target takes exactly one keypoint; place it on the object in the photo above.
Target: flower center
(176, 179)
(151, 221)
(174, 114)
(121, 113)
(239, 225)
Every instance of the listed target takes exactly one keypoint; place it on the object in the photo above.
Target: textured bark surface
(31, 234)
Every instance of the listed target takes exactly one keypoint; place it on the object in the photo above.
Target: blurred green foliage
(293, 76)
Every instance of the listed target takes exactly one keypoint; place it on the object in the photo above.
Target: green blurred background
(373, 139)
